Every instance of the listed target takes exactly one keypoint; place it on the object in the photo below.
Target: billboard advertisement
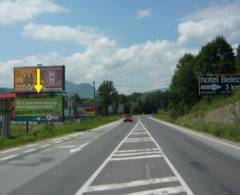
(39, 109)
(85, 111)
(52, 78)
(25, 78)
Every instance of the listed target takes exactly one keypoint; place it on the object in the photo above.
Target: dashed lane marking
(10, 150)
(9, 157)
(28, 151)
(57, 142)
(31, 145)
(45, 145)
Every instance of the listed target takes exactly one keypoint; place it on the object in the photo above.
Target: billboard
(218, 84)
(39, 109)
(25, 78)
(85, 111)
(52, 78)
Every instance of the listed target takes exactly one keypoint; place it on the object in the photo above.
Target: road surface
(143, 157)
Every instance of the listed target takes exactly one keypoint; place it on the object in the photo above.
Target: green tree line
(215, 57)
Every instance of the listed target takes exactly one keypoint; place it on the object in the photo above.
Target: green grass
(45, 131)
(195, 118)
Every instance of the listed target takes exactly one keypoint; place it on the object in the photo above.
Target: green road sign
(39, 109)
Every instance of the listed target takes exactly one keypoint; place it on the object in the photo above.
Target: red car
(128, 118)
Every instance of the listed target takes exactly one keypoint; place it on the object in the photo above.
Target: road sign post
(218, 84)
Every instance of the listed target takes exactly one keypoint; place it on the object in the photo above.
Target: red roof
(7, 95)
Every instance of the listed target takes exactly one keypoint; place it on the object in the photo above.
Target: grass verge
(227, 131)
(44, 131)
(195, 118)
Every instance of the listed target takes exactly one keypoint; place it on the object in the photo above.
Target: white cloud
(80, 34)
(146, 63)
(144, 13)
(140, 63)
(208, 23)
(12, 11)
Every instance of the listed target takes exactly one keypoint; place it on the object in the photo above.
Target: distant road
(143, 157)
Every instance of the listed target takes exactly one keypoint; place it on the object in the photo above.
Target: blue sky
(131, 42)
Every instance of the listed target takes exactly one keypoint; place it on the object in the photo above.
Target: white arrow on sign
(213, 87)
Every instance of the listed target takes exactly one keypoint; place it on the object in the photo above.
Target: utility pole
(94, 98)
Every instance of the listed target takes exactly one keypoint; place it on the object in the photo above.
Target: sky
(134, 43)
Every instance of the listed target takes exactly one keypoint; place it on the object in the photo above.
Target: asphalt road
(143, 157)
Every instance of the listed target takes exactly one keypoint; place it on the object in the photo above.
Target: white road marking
(136, 157)
(140, 150)
(9, 157)
(139, 133)
(188, 190)
(31, 145)
(130, 184)
(189, 131)
(63, 147)
(10, 150)
(184, 188)
(45, 145)
(137, 153)
(99, 169)
(161, 191)
(148, 172)
(79, 148)
(28, 151)
(57, 139)
(57, 142)
(141, 139)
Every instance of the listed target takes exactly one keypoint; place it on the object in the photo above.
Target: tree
(107, 94)
(215, 57)
(238, 59)
(184, 86)
(76, 99)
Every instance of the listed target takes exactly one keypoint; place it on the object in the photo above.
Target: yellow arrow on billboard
(38, 86)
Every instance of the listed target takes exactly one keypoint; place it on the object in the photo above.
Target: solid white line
(79, 148)
(10, 150)
(130, 184)
(99, 169)
(137, 153)
(28, 151)
(160, 191)
(44, 146)
(174, 170)
(140, 150)
(9, 157)
(190, 131)
(136, 157)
